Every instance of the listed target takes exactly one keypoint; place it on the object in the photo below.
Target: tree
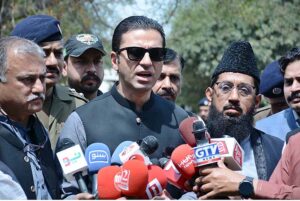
(202, 30)
(94, 16)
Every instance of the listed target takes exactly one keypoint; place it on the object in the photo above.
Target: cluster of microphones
(130, 172)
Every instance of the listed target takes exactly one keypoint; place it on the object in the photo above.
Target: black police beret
(203, 102)
(238, 58)
(271, 81)
(38, 28)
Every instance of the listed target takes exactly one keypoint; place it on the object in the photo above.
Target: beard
(84, 88)
(237, 127)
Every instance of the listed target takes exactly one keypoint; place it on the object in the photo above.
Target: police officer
(271, 86)
(282, 122)
(203, 105)
(84, 64)
(60, 101)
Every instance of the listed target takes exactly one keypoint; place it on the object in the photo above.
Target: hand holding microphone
(206, 153)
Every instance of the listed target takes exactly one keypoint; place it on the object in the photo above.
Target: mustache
(167, 92)
(230, 106)
(90, 77)
(36, 96)
(293, 96)
(52, 70)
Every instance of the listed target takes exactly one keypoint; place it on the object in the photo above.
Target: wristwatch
(246, 187)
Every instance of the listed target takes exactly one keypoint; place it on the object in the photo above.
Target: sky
(144, 7)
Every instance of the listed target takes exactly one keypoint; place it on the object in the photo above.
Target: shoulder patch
(72, 92)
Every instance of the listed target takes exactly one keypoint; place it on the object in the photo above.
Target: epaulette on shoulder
(268, 107)
(74, 93)
(291, 133)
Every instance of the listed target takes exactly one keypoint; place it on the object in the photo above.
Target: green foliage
(76, 16)
(202, 30)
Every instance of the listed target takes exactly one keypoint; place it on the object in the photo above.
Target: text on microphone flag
(122, 179)
(97, 156)
(68, 161)
(206, 154)
(153, 188)
(237, 154)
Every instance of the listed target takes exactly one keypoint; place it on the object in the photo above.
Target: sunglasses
(138, 53)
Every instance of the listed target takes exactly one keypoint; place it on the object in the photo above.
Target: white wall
(110, 77)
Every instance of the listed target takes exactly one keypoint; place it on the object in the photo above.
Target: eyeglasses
(226, 87)
(138, 53)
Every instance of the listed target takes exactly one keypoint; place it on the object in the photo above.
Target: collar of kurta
(129, 104)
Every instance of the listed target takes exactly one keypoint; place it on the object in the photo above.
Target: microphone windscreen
(97, 156)
(63, 144)
(115, 158)
(132, 179)
(106, 183)
(157, 182)
(137, 157)
(149, 144)
(186, 131)
(183, 159)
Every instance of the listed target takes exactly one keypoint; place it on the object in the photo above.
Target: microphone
(231, 151)
(208, 151)
(173, 175)
(183, 159)
(157, 182)
(97, 156)
(106, 183)
(72, 162)
(186, 131)
(115, 158)
(132, 179)
(193, 130)
(147, 146)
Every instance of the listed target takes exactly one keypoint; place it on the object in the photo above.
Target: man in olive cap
(84, 64)
(60, 101)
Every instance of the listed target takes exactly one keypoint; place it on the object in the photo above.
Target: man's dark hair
(172, 55)
(134, 23)
(290, 57)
